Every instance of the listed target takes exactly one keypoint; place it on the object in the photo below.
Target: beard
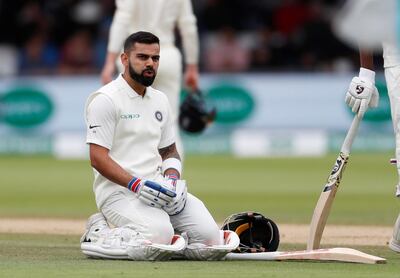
(140, 78)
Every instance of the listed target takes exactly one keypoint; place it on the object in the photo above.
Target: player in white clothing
(362, 94)
(137, 171)
(159, 17)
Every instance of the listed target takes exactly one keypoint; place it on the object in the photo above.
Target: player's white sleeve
(167, 131)
(188, 29)
(100, 121)
(120, 25)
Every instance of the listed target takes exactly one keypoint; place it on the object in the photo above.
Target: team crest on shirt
(159, 116)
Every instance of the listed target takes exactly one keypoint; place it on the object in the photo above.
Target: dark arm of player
(107, 167)
(170, 152)
(366, 59)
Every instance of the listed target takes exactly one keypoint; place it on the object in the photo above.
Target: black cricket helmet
(194, 115)
(256, 232)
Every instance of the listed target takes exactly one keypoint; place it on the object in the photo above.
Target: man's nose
(149, 62)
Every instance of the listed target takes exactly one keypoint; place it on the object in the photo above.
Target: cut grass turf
(59, 256)
(285, 189)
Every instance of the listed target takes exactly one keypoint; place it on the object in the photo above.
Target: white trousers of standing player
(392, 76)
(124, 208)
(169, 81)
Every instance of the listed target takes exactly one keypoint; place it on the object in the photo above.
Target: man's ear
(124, 59)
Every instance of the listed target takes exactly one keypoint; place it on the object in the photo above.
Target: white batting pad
(197, 251)
(147, 251)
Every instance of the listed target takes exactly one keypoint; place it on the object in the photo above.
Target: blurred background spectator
(37, 55)
(70, 36)
(225, 52)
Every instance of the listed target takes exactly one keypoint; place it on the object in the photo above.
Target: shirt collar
(128, 89)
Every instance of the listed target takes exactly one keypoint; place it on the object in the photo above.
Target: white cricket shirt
(158, 17)
(132, 127)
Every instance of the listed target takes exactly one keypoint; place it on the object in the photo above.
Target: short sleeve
(168, 131)
(101, 121)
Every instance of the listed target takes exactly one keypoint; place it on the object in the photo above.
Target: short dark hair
(140, 37)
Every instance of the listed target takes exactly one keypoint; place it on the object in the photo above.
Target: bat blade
(324, 204)
(331, 254)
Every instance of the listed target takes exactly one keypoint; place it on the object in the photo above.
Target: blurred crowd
(70, 36)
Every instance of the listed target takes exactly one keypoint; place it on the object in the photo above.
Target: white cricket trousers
(124, 208)
(392, 76)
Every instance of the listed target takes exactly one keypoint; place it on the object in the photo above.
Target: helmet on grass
(256, 232)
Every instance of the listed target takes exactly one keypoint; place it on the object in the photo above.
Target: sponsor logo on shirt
(158, 116)
(129, 116)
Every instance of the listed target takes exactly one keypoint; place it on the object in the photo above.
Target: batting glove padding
(152, 193)
(178, 203)
(362, 93)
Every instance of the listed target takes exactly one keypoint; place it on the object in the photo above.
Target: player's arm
(101, 122)
(152, 193)
(171, 161)
(191, 76)
(366, 60)
(106, 166)
(190, 38)
(109, 67)
(362, 92)
(118, 32)
(172, 168)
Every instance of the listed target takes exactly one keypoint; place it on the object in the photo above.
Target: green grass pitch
(284, 189)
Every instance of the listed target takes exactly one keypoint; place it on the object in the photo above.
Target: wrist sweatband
(367, 74)
(173, 163)
(133, 185)
(172, 177)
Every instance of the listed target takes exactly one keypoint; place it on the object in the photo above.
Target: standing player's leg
(205, 240)
(392, 76)
(394, 243)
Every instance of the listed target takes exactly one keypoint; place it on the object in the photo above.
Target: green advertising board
(25, 107)
(234, 103)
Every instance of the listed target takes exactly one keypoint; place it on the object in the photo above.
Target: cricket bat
(324, 204)
(331, 254)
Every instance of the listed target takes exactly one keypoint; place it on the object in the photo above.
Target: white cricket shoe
(398, 190)
(95, 227)
(394, 245)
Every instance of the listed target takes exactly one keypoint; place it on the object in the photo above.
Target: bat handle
(351, 134)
